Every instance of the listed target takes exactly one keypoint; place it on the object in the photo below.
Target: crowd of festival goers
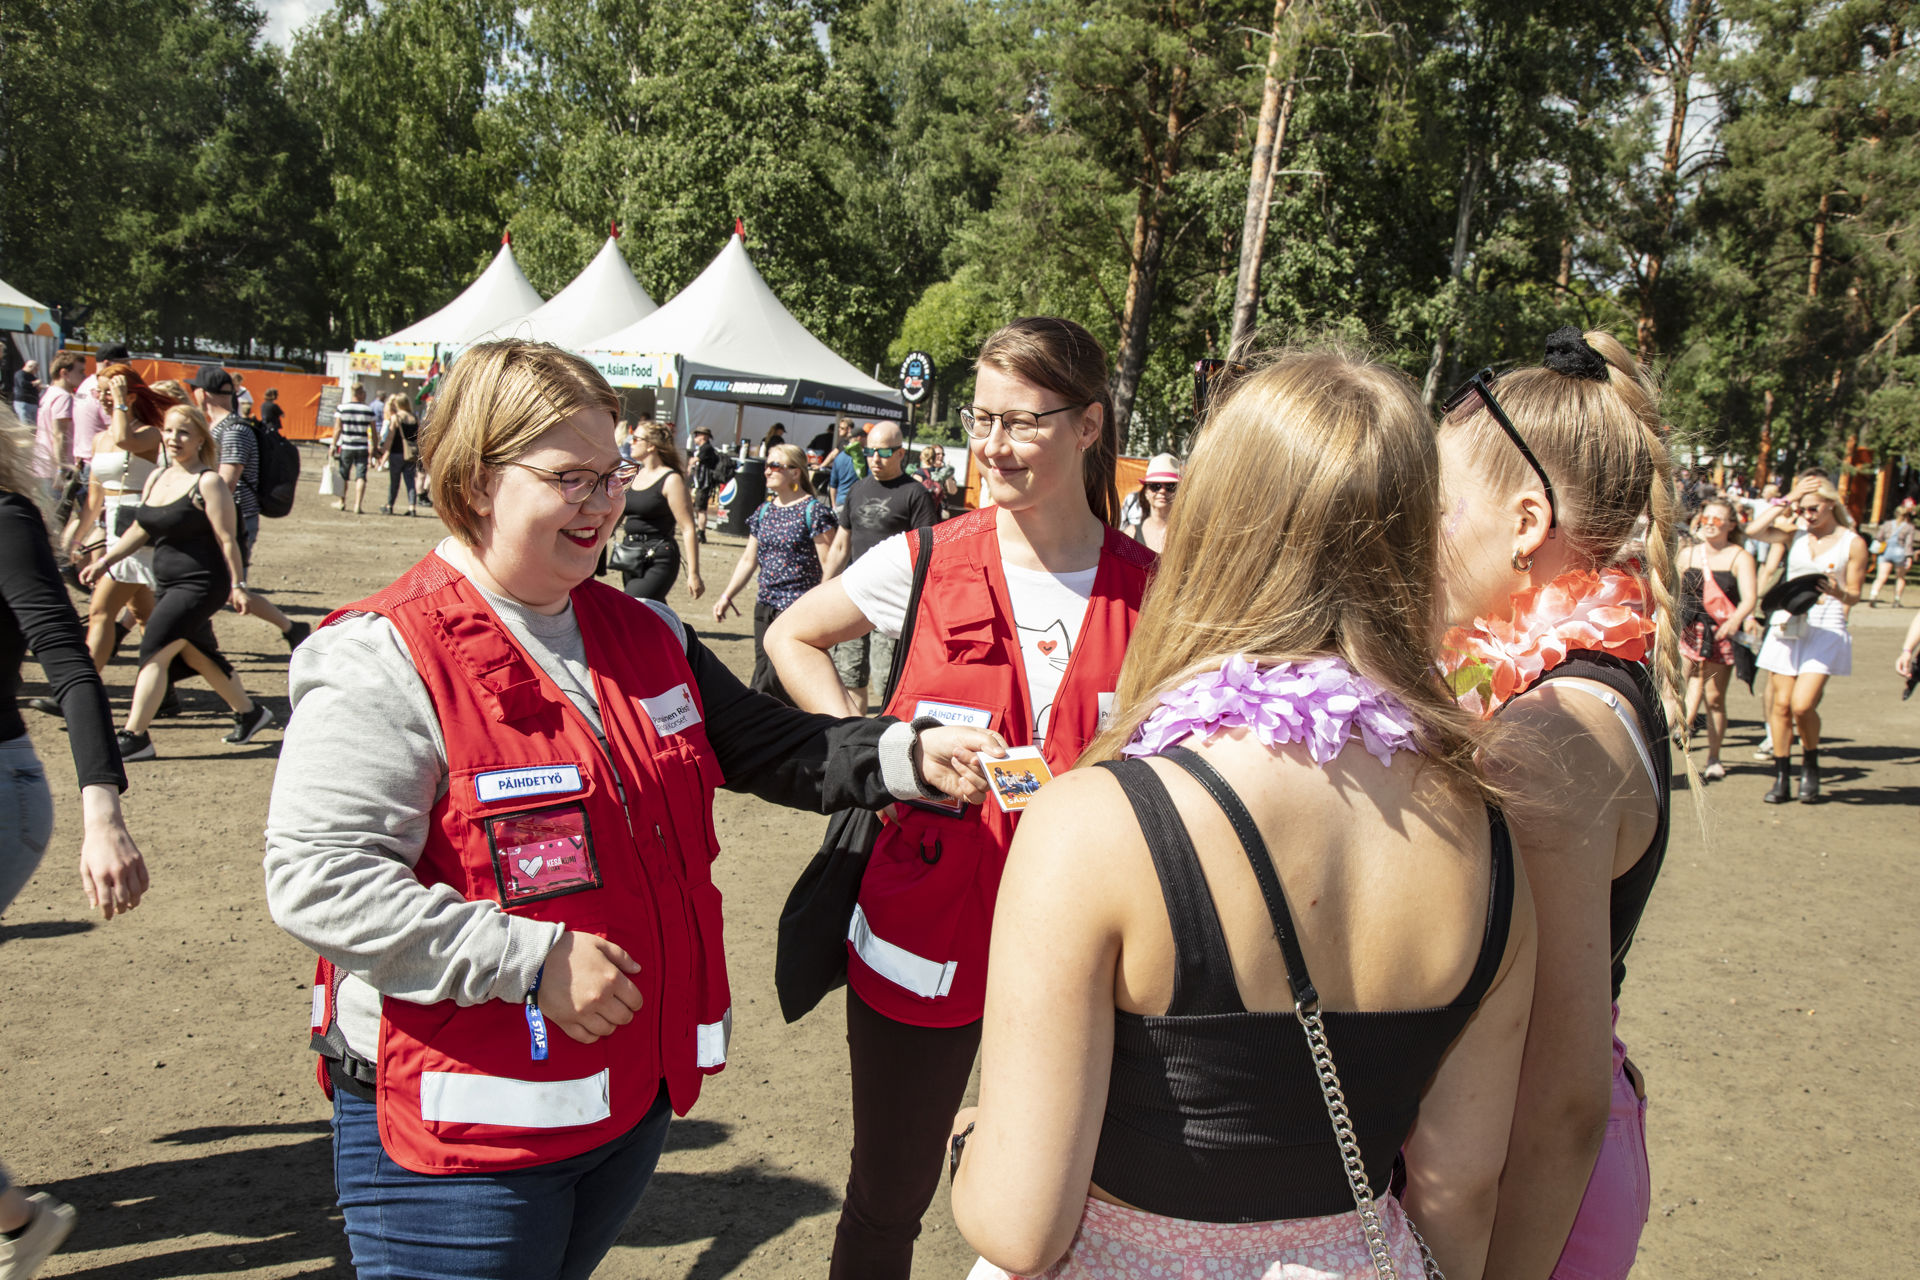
(1343, 753)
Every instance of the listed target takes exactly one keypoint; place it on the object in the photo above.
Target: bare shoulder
(1078, 830)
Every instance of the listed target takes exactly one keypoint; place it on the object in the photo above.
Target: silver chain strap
(1336, 1099)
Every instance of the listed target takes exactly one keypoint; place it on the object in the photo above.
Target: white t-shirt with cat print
(1048, 609)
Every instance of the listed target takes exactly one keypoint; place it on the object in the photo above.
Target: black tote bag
(810, 957)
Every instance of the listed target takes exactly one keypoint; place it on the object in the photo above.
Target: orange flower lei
(1489, 662)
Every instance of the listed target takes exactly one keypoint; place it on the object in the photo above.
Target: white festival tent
(742, 361)
(602, 298)
(30, 325)
(495, 301)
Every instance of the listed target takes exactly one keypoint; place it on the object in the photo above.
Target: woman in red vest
(1022, 624)
(493, 820)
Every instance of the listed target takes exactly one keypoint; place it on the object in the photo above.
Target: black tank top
(1214, 1113)
(1632, 683)
(185, 547)
(647, 512)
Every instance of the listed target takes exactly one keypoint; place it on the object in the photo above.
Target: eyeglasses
(881, 453)
(577, 484)
(1481, 384)
(1159, 487)
(1021, 425)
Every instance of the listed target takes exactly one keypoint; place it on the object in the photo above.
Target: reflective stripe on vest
(456, 1097)
(928, 979)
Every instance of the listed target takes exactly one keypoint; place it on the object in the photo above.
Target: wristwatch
(239, 586)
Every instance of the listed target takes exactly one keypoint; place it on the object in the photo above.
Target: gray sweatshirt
(361, 768)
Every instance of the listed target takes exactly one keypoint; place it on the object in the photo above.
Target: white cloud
(284, 17)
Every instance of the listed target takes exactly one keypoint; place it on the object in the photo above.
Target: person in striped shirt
(353, 434)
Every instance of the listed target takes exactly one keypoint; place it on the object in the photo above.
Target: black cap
(702, 431)
(211, 377)
(113, 353)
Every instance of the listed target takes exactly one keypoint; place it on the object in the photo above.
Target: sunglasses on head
(1481, 385)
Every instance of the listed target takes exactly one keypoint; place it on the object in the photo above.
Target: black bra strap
(1202, 970)
(1304, 995)
(1493, 943)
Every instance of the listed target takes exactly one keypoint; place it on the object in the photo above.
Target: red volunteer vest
(533, 820)
(918, 943)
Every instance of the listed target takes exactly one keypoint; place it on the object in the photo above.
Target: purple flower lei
(1319, 703)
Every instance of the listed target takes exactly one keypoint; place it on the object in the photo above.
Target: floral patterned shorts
(1127, 1244)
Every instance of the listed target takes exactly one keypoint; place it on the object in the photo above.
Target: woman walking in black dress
(187, 514)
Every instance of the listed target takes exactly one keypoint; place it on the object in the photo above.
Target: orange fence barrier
(299, 392)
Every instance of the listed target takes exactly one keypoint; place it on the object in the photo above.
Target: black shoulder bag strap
(810, 953)
(922, 558)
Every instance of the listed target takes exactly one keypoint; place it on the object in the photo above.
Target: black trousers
(655, 581)
(907, 1084)
(763, 679)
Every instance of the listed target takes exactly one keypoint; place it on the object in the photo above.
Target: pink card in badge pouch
(542, 854)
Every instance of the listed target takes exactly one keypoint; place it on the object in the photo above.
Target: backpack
(279, 469)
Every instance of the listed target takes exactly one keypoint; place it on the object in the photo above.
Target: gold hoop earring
(1521, 563)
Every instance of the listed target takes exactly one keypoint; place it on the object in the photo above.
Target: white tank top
(117, 469)
(1833, 562)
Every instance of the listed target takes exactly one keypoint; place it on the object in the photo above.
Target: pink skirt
(1127, 1244)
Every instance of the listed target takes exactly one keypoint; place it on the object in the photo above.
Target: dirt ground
(155, 1070)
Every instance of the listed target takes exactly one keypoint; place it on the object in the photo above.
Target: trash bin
(749, 487)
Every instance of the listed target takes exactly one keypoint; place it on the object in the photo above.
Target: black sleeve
(31, 586)
(778, 753)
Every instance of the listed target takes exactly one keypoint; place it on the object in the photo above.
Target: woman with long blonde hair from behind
(1544, 474)
(1282, 763)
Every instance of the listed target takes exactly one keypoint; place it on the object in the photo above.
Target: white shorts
(1822, 651)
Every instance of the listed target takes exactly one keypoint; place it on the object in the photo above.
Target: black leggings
(907, 1084)
(763, 679)
(656, 580)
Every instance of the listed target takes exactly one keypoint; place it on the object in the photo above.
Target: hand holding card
(1017, 777)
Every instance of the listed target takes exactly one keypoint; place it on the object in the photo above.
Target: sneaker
(46, 706)
(294, 634)
(248, 724)
(135, 746)
(1713, 772)
(21, 1257)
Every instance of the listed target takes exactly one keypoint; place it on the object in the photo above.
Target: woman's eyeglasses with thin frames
(576, 484)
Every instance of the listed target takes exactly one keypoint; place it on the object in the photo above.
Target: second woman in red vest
(1022, 624)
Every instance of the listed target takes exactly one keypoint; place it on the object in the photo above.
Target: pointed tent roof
(18, 312)
(500, 296)
(602, 298)
(739, 344)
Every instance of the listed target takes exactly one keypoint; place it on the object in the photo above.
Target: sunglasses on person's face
(1715, 521)
(1813, 510)
(881, 453)
(1481, 385)
(1160, 487)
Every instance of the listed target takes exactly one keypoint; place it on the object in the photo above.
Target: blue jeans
(551, 1222)
(26, 816)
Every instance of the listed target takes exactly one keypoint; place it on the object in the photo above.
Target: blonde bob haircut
(1307, 526)
(500, 398)
(209, 449)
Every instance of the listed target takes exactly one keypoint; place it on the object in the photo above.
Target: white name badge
(540, 780)
(948, 713)
(672, 711)
(1106, 711)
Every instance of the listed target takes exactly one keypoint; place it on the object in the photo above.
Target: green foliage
(1726, 182)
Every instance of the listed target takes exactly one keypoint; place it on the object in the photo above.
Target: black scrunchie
(1569, 354)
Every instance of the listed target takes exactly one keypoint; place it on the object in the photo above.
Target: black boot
(1810, 777)
(1782, 784)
